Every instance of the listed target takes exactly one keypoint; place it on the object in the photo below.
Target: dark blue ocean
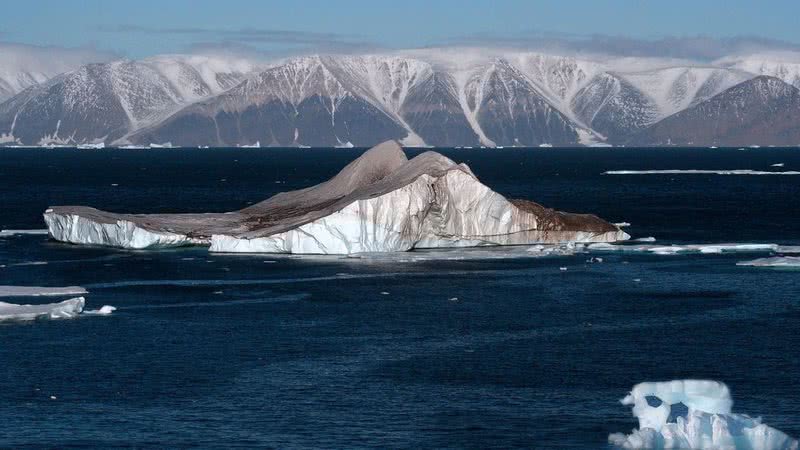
(463, 352)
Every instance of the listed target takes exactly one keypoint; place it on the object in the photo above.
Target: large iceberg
(380, 202)
(707, 422)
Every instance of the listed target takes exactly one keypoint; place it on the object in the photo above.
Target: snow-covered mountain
(104, 102)
(761, 111)
(784, 65)
(438, 97)
(23, 66)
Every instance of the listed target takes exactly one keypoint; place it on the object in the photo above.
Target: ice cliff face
(708, 422)
(381, 202)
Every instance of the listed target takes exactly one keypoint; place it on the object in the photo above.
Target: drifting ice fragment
(104, 311)
(709, 422)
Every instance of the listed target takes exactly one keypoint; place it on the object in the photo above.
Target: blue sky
(144, 27)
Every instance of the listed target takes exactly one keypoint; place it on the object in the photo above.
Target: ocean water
(448, 349)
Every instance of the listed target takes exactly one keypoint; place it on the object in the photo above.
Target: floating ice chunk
(688, 248)
(697, 172)
(35, 291)
(7, 233)
(63, 310)
(778, 165)
(708, 424)
(776, 261)
(104, 311)
(622, 224)
(646, 239)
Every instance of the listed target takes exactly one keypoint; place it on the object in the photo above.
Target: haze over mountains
(430, 97)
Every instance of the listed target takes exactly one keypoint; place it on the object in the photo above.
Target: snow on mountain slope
(676, 88)
(314, 100)
(104, 102)
(784, 65)
(613, 107)
(763, 110)
(511, 111)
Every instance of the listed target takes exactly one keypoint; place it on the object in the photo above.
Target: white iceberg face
(708, 424)
(63, 310)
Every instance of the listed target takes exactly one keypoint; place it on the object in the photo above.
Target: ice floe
(694, 248)
(36, 291)
(7, 233)
(66, 309)
(775, 261)
(698, 172)
(62, 310)
(708, 422)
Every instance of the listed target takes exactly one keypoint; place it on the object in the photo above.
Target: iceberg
(62, 310)
(380, 202)
(707, 423)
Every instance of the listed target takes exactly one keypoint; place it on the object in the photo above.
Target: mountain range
(430, 97)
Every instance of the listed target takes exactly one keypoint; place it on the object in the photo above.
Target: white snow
(697, 172)
(36, 291)
(709, 423)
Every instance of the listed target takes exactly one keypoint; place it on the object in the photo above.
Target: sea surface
(447, 349)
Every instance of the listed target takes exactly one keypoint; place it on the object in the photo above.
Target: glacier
(380, 202)
(708, 424)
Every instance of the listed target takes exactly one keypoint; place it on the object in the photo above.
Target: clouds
(700, 48)
(255, 41)
(49, 60)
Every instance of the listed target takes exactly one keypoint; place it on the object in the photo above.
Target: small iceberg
(705, 422)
